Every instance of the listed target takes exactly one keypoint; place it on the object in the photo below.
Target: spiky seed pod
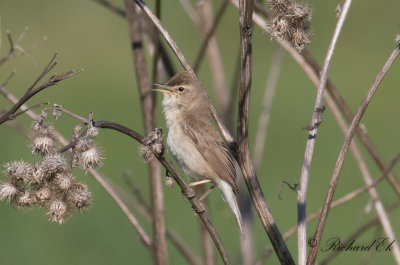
(18, 171)
(64, 180)
(84, 144)
(37, 174)
(8, 191)
(42, 144)
(92, 132)
(53, 164)
(43, 194)
(79, 196)
(146, 153)
(291, 22)
(91, 158)
(169, 182)
(25, 199)
(57, 211)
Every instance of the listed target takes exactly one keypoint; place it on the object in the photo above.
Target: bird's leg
(199, 182)
(207, 192)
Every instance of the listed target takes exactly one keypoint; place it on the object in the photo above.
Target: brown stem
(165, 34)
(339, 163)
(308, 154)
(147, 103)
(246, 27)
(265, 114)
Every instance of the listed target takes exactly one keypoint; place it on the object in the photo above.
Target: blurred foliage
(89, 36)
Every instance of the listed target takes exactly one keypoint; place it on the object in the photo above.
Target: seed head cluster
(290, 22)
(50, 183)
(152, 144)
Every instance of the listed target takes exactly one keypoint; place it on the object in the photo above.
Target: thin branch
(207, 26)
(148, 105)
(13, 116)
(166, 35)
(187, 191)
(208, 36)
(265, 114)
(117, 10)
(245, 23)
(309, 150)
(312, 69)
(335, 176)
(31, 91)
(142, 234)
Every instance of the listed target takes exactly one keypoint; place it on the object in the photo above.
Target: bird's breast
(186, 154)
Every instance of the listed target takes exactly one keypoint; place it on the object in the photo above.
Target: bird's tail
(232, 201)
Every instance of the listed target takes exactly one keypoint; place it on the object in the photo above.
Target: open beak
(163, 89)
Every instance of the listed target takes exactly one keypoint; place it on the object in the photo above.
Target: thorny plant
(50, 184)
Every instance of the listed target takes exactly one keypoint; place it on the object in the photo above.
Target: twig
(16, 47)
(207, 26)
(265, 114)
(245, 23)
(187, 191)
(208, 36)
(13, 116)
(112, 7)
(335, 176)
(166, 35)
(308, 154)
(141, 232)
(312, 69)
(31, 91)
(147, 105)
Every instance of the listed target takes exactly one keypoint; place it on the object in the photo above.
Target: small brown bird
(192, 139)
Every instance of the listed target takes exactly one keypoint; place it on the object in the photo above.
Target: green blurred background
(89, 36)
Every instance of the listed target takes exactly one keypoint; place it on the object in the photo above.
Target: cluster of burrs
(50, 183)
(290, 22)
(153, 144)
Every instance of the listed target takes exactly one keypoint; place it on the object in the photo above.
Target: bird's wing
(211, 146)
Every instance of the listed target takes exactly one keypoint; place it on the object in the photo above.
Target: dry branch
(246, 27)
(308, 154)
(133, 15)
(339, 163)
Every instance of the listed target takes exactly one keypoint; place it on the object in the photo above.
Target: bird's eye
(180, 89)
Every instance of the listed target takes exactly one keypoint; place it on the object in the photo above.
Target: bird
(194, 142)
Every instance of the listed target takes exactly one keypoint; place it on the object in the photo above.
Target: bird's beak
(163, 89)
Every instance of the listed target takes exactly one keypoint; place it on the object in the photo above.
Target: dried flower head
(92, 132)
(57, 211)
(43, 194)
(79, 196)
(152, 143)
(291, 22)
(169, 182)
(37, 174)
(42, 144)
(53, 164)
(91, 158)
(8, 191)
(18, 171)
(64, 180)
(24, 200)
(146, 153)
